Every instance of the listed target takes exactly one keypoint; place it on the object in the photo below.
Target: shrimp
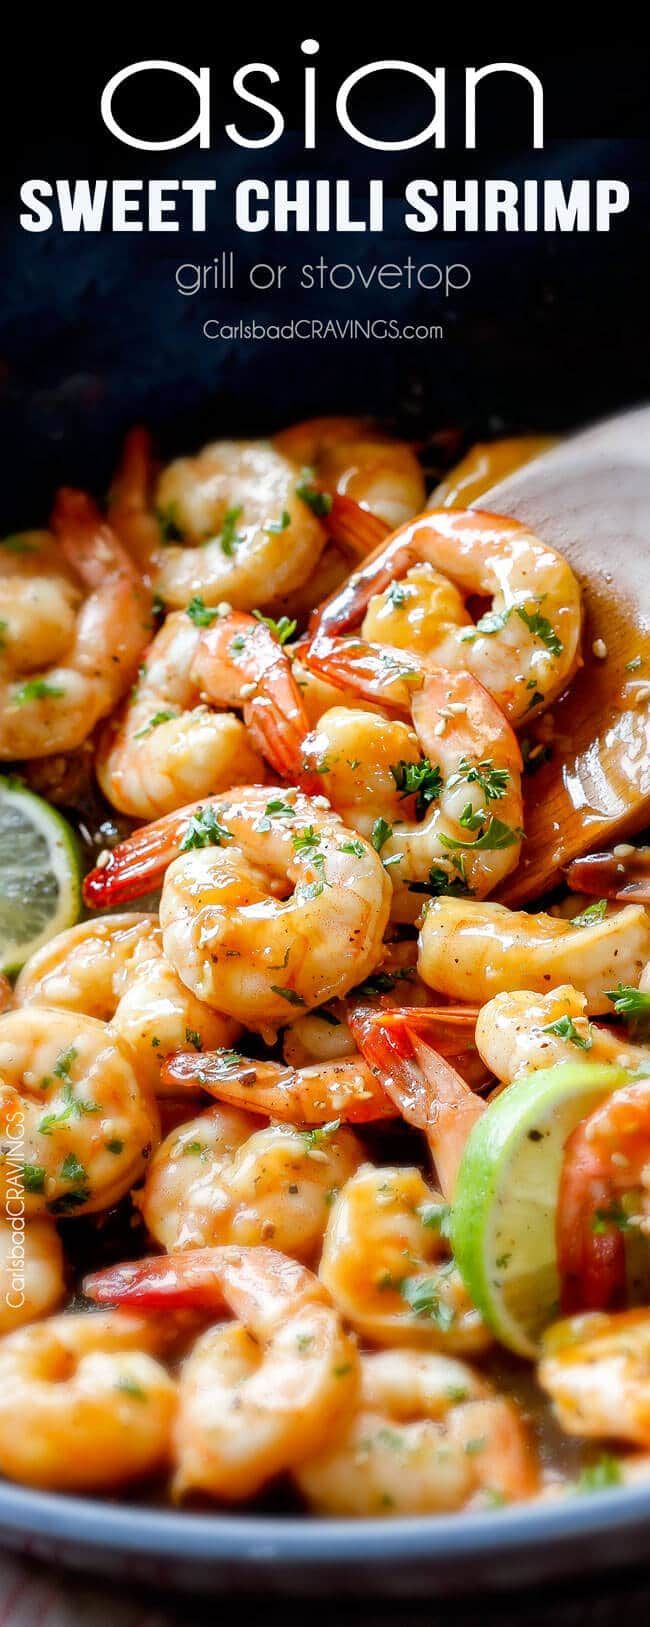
(115, 970)
(386, 1264)
(604, 1190)
(429, 1436)
(222, 1179)
(486, 463)
(596, 1369)
(31, 1265)
(130, 503)
(77, 1125)
(524, 651)
(350, 457)
(282, 911)
(471, 951)
(84, 1404)
(245, 534)
(443, 797)
(429, 1092)
(521, 1031)
(444, 774)
(168, 742)
(344, 1090)
(257, 1396)
(81, 653)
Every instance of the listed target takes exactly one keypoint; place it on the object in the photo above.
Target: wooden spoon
(590, 498)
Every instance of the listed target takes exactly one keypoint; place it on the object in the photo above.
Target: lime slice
(40, 874)
(503, 1219)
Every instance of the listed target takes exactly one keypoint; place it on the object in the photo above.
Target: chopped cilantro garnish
(273, 527)
(493, 782)
(420, 780)
(594, 912)
(154, 723)
(200, 613)
(631, 1004)
(33, 1178)
(287, 994)
(37, 689)
(283, 629)
(320, 502)
(229, 536)
(493, 837)
(204, 830)
(565, 1028)
(380, 834)
(423, 1296)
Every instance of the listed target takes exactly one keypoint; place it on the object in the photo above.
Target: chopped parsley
(631, 1004)
(614, 1216)
(420, 780)
(199, 612)
(37, 689)
(277, 808)
(33, 1178)
(354, 847)
(437, 1216)
(383, 982)
(423, 1296)
(380, 834)
(204, 830)
(170, 530)
(493, 834)
(283, 629)
(154, 723)
(493, 782)
(274, 527)
(606, 1471)
(128, 1386)
(320, 502)
(193, 1038)
(495, 620)
(440, 884)
(320, 1133)
(565, 1028)
(398, 594)
(289, 995)
(594, 912)
(229, 536)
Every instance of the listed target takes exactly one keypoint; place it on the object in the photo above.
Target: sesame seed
(247, 690)
(623, 850)
(599, 649)
(103, 859)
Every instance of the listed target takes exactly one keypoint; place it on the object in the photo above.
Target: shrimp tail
(239, 658)
(187, 1281)
(277, 1091)
(354, 527)
(88, 543)
(428, 1091)
(137, 865)
(590, 1250)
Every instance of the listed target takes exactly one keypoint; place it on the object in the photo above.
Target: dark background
(93, 334)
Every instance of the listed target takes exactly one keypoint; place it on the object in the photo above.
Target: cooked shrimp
(115, 969)
(520, 1031)
(77, 1123)
(444, 774)
(445, 794)
(351, 457)
(86, 633)
(316, 1094)
(604, 1188)
(221, 1179)
(471, 951)
(285, 912)
(524, 651)
(84, 1405)
(596, 1369)
(31, 1267)
(258, 1396)
(246, 535)
(130, 504)
(169, 743)
(428, 1437)
(486, 463)
(387, 1266)
(429, 1092)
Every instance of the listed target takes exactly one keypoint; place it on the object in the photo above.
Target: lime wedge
(503, 1218)
(40, 874)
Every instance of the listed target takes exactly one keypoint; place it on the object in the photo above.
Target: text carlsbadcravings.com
(427, 205)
